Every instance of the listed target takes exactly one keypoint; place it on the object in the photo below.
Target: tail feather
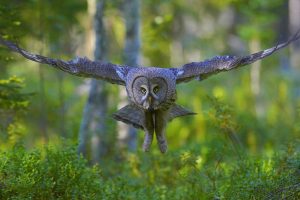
(134, 116)
(131, 115)
(178, 111)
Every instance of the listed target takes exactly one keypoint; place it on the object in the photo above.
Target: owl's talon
(163, 147)
(146, 148)
(162, 144)
(147, 142)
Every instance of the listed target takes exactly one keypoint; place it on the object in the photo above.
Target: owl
(151, 90)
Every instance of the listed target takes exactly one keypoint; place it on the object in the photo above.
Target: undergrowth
(58, 173)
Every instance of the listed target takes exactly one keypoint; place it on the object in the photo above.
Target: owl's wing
(204, 69)
(77, 66)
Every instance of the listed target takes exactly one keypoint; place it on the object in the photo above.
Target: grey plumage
(151, 90)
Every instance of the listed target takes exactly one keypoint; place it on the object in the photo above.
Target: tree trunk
(43, 106)
(283, 35)
(127, 135)
(294, 16)
(93, 119)
(62, 105)
(255, 78)
(294, 25)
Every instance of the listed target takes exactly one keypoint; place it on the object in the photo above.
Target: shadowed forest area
(58, 139)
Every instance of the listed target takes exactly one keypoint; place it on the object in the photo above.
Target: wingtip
(10, 45)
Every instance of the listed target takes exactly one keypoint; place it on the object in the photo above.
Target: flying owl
(151, 90)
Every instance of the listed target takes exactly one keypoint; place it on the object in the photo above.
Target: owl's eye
(143, 90)
(155, 89)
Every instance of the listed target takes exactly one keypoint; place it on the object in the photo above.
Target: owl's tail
(178, 111)
(130, 115)
(134, 116)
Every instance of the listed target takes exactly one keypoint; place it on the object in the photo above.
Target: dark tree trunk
(62, 106)
(93, 119)
(43, 106)
(127, 135)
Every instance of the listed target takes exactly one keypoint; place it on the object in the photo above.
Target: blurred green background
(248, 121)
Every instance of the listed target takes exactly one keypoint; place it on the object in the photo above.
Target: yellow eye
(155, 89)
(143, 90)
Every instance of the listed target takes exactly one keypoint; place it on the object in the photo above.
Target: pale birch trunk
(127, 135)
(255, 78)
(62, 109)
(93, 119)
(283, 35)
(294, 17)
(43, 122)
(294, 26)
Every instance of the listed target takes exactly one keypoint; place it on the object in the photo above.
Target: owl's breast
(168, 102)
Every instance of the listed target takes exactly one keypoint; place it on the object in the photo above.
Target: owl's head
(151, 89)
(149, 93)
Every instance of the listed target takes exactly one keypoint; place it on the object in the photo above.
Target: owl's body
(152, 96)
(151, 91)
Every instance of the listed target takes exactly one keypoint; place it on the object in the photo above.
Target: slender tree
(283, 34)
(254, 45)
(93, 120)
(294, 15)
(43, 122)
(127, 135)
(294, 59)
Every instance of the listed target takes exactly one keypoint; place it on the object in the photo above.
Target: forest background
(243, 143)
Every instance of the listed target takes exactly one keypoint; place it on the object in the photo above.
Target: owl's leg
(149, 131)
(160, 129)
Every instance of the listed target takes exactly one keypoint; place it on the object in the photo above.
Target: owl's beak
(148, 102)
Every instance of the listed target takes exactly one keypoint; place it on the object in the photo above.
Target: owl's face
(149, 93)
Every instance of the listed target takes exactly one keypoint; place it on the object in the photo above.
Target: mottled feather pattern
(131, 114)
(153, 72)
(204, 69)
(77, 66)
(178, 111)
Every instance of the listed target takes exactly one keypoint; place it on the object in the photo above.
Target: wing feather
(78, 66)
(204, 69)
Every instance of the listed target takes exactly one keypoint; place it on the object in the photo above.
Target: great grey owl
(151, 90)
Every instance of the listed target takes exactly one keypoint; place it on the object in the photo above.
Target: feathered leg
(161, 119)
(149, 130)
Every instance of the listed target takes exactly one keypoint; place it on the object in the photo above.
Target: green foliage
(186, 175)
(11, 27)
(276, 178)
(157, 30)
(222, 115)
(12, 23)
(58, 173)
(262, 15)
(47, 174)
(11, 97)
(13, 106)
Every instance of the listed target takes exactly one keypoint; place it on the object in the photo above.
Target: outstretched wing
(204, 69)
(77, 66)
